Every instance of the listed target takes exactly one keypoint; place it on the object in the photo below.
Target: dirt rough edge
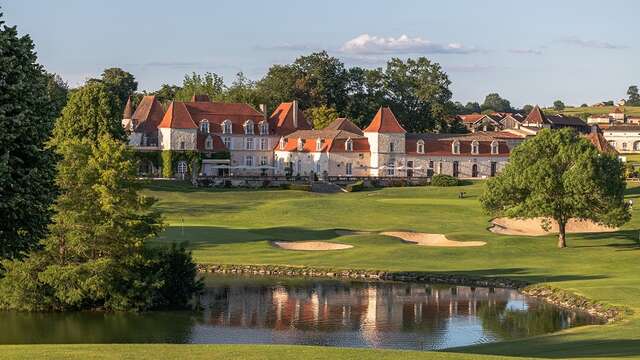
(310, 245)
(532, 227)
(567, 300)
(435, 240)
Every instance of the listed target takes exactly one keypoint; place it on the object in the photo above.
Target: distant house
(625, 138)
(538, 119)
(480, 122)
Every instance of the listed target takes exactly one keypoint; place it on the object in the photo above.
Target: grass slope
(585, 111)
(235, 226)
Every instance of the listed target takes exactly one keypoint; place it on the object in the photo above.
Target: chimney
(263, 109)
(295, 113)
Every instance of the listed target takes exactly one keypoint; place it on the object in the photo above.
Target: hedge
(355, 187)
(444, 180)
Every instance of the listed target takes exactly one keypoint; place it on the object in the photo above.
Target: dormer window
(248, 127)
(318, 144)
(283, 143)
(348, 145)
(475, 147)
(226, 127)
(208, 144)
(455, 147)
(204, 126)
(264, 128)
(420, 147)
(495, 148)
(300, 144)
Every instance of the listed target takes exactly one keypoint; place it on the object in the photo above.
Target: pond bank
(559, 297)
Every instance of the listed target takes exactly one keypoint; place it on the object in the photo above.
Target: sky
(528, 52)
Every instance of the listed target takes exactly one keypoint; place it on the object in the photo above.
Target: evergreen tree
(27, 112)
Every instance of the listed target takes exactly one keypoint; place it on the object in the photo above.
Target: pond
(262, 310)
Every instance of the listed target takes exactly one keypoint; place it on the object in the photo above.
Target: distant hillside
(584, 112)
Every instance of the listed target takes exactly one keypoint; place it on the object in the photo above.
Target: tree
(366, 94)
(496, 103)
(559, 175)
(91, 111)
(527, 108)
(558, 105)
(58, 91)
(418, 93)
(121, 83)
(166, 93)
(584, 105)
(278, 85)
(320, 80)
(634, 96)
(321, 116)
(243, 90)
(472, 107)
(27, 112)
(209, 84)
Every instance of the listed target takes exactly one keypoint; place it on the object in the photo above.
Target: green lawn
(579, 111)
(235, 226)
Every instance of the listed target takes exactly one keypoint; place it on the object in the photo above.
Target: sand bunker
(310, 245)
(531, 227)
(437, 240)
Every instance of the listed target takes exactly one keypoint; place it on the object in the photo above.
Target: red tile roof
(126, 114)
(536, 116)
(282, 120)
(344, 124)
(385, 122)
(200, 98)
(442, 147)
(148, 115)
(217, 112)
(333, 141)
(471, 118)
(177, 117)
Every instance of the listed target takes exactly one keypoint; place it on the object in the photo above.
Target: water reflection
(334, 313)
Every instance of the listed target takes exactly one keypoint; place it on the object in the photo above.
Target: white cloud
(526, 51)
(595, 44)
(366, 44)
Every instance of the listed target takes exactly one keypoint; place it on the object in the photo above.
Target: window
(182, 167)
(263, 161)
(208, 144)
(226, 127)
(612, 143)
(283, 143)
(300, 144)
(420, 147)
(456, 170)
(474, 170)
(410, 168)
(348, 145)
(299, 166)
(455, 147)
(227, 142)
(263, 144)
(430, 164)
(248, 161)
(392, 147)
(248, 127)
(391, 168)
(318, 167)
(318, 144)
(439, 168)
(636, 146)
(182, 146)
(475, 147)
(264, 128)
(495, 149)
(349, 169)
(249, 143)
(624, 146)
(494, 167)
(204, 126)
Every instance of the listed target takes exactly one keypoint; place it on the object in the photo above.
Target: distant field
(584, 112)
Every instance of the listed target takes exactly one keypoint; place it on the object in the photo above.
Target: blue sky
(529, 52)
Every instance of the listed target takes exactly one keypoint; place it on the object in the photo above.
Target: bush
(356, 186)
(444, 180)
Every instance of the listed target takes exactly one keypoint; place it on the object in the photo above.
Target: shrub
(444, 180)
(356, 186)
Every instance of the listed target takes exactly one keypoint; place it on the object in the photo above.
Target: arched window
(495, 148)
(455, 147)
(636, 146)
(420, 147)
(624, 146)
(474, 170)
(264, 128)
(204, 126)
(182, 167)
(283, 143)
(318, 144)
(348, 145)
(300, 144)
(248, 127)
(226, 127)
(475, 147)
(208, 143)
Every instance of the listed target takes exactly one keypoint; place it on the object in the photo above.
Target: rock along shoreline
(558, 297)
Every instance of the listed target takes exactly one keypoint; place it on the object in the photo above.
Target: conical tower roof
(128, 109)
(385, 122)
